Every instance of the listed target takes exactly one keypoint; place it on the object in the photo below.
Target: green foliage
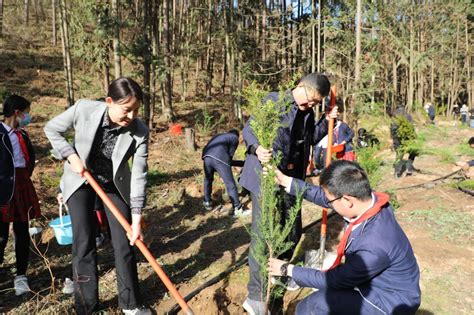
(446, 154)
(465, 149)
(393, 199)
(442, 223)
(4, 93)
(272, 240)
(405, 131)
(373, 110)
(467, 184)
(206, 123)
(371, 163)
(410, 143)
(266, 114)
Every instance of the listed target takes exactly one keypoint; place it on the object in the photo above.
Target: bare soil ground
(194, 245)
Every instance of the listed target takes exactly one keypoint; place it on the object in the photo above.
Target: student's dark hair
(234, 131)
(124, 88)
(317, 82)
(471, 141)
(346, 178)
(13, 103)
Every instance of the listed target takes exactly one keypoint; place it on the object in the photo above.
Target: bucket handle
(61, 211)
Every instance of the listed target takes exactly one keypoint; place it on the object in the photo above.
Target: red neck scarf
(23, 147)
(382, 199)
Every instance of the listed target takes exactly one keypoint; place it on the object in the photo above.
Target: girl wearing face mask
(112, 144)
(18, 199)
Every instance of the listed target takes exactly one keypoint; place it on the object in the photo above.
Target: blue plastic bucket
(62, 228)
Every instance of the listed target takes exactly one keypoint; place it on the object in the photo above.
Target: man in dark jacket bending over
(380, 274)
(217, 156)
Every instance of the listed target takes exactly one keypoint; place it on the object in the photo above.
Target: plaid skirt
(24, 204)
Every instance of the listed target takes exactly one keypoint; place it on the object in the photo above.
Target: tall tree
(116, 38)
(53, 23)
(1, 18)
(167, 85)
(66, 52)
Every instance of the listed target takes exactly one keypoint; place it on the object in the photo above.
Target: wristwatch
(284, 269)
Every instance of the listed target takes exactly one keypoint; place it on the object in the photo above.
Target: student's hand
(76, 164)
(263, 154)
(274, 267)
(60, 198)
(136, 229)
(332, 113)
(282, 179)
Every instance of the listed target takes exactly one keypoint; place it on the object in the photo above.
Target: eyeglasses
(331, 201)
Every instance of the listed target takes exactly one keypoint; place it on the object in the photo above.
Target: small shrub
(371, 163)
(206, 124)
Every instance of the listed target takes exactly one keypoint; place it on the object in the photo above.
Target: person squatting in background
(218, 156)
(366, 139)
(107, 137)
(18, 199)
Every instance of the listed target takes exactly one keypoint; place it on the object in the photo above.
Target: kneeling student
(380, 274)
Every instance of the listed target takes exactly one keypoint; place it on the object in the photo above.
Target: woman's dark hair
(123, 88)
(346, 178)
(13, 103)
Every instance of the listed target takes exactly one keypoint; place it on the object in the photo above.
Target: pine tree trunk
(27, 12)
(1, 18)
(319, 35)
(66, 52)
(167, 106)
(357, 55)
(146, 62)
(210, 51)
(411, 69)
(470, 79)
(116, 38)
(55, 36)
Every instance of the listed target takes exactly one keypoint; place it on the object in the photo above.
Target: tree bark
(190, 139)
(55, 36)
(210, 51)
(167, 90)
(357, 55)
(66, 52)
(1, 18)
(27, 12)
(146, 62)
(411, 67)
(116, 38)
